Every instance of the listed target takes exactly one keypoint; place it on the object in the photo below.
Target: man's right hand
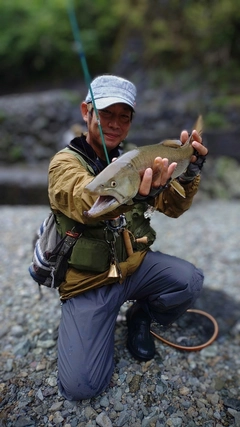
(157, 176)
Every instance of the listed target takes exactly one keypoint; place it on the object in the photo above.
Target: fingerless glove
(193, 169)
(153, 193)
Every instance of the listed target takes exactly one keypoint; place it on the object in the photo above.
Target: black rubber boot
(140, 342)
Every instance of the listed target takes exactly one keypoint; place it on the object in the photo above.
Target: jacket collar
(80, 145)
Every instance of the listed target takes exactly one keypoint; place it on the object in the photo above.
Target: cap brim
(105, 102)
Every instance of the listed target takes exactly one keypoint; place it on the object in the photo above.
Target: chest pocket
(90, 255)
(140, 227)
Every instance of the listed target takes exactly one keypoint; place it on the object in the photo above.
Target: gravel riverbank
(177, 388)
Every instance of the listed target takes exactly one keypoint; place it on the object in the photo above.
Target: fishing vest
(93, 250)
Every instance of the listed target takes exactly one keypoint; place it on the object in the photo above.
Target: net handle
(197, 347)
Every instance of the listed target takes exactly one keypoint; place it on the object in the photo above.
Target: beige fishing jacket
(67, 179)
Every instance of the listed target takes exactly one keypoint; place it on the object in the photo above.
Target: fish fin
(174, 143)
(178, 188)
(199, 125)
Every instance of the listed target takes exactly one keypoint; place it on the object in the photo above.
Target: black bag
(51, 253)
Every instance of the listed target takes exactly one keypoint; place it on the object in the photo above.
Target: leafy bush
(36, 41)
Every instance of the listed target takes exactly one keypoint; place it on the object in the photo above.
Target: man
(101, 274)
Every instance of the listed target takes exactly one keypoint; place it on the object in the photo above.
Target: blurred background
(184, 58)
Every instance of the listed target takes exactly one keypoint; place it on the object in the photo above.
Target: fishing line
(82, 56)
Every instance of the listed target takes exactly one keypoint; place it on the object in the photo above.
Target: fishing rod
(79, 46)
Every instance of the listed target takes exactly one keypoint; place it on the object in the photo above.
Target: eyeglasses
(123, 118)
(105, 114)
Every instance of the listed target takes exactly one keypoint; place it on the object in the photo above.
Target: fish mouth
(103, 205)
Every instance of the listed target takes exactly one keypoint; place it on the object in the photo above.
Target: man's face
(115, 122)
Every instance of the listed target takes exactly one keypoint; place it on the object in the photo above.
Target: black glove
(193, 169)
(153, 193)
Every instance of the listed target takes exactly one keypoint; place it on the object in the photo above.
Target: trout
(119, 182)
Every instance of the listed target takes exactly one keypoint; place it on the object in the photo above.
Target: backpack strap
(60, 257)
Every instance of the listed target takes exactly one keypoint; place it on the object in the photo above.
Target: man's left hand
(197, 143)
(198, 158)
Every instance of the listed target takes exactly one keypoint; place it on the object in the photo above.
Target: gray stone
(22, 348)
(103, 420)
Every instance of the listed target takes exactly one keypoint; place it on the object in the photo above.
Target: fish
(119, 182)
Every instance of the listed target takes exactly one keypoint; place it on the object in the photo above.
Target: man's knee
(77, 392)
(171, 305)
(82, 388)
(196, 283)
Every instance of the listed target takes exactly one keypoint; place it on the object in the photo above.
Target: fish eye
(113, 184)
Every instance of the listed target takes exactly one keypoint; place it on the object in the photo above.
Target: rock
(22, 348)
(46, 344)
(236, 416)
(56, 406)
(176, 388)
(104, 401)
(103, 420)
(123, 419)
(17, 331)
(134, 384)
(52, 381)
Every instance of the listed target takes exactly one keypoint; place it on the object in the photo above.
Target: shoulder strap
(81, 157)
(80, 146)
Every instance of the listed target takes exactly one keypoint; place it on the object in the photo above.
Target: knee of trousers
(74, 393)
(169, 306)
(82, 390)
(196, 284)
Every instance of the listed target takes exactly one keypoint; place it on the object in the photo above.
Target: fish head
(116, 185)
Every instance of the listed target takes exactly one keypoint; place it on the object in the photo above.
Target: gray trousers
(166, 286)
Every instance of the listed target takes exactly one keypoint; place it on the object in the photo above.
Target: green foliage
(183, 34)
(215, 120)
(15, 154)
(36, 41)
